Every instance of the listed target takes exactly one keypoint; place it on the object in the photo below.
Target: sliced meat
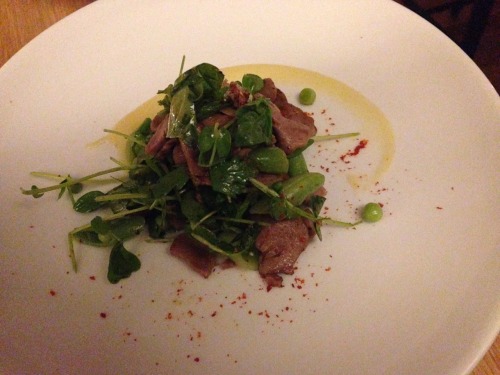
(158, 139)
(280, 245)
(159, 145)
(157, 120)
(237, 95)
(290, 134)
(196, 255)
(199, 175)
(269, 90)
(290, 111)
(219, 118)
(178, 155)
(273, 281)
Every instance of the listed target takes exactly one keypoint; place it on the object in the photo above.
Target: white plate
(417, 293)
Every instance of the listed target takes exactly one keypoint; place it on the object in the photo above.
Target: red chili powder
(361, 145)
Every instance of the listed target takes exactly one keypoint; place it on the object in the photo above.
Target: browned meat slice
(159, 146)
(290, 111)
(269, 90)
(196, 255)
(199, 175)
(178, 155)
(273, 281)
(219, 118)
(157, 120)
(237, 95)
(158, 139)
(281, 244)
(290, 134)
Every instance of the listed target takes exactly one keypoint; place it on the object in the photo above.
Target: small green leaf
(252, 82)
(176, 178)
(214, 144)
(99, 225)
(121, 263)
(230, 177)
(87, 203)
(253, 124)
(182, 115)
(126, 227)
(191, 208)
(91, 238)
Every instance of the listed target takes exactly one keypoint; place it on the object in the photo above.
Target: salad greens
(164, 197)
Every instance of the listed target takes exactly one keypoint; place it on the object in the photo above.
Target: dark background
(453, 18)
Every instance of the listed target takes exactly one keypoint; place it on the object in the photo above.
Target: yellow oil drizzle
(129, 124)
(374, 123)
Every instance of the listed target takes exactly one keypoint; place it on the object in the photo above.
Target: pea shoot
(372, 212)
(307, 96)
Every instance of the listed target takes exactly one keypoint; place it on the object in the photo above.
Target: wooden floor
(487, 56)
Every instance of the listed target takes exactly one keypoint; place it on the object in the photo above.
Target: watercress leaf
(176, 178)
(121, 263)
(99, 225)
(253, 124)
(126, 227)
(252, 82)
(182, 115)
(87, 202)
(91, 238)
(203, 80)
(191, 208)
(214, 144)
(230, 177)
(223, 143)
(157, 225)
(206, 139)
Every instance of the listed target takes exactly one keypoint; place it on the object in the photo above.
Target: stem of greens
(128, 137)
(241, 221)
(117, 197)
(329, 137)
(72, 182)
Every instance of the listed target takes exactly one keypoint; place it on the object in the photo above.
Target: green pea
(269, 160)
(297, 165)
(296, 189)
(307, 96)
(372, 212)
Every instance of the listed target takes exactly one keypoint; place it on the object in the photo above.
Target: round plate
(416, 293)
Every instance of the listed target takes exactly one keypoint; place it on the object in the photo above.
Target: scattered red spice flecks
(439, 207)
(52, 292)
(92, 278)
(361, 145)
(103, 315)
